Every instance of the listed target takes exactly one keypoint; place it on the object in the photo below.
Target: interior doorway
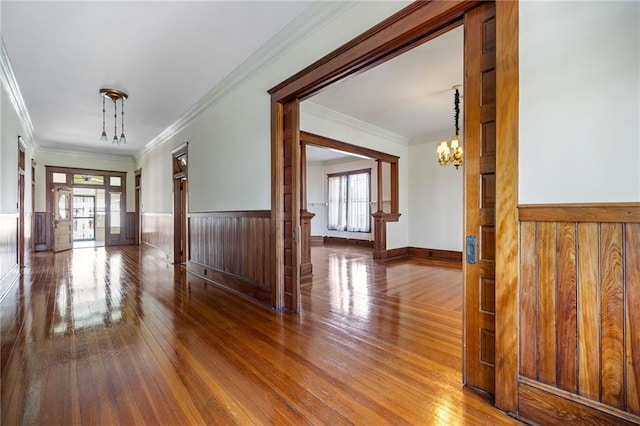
(96, 206)
(89, 217)
(414, 25)
(21, 212)
(180, 204)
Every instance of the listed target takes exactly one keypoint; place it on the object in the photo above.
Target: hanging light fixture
(115, 96)
(452, 153)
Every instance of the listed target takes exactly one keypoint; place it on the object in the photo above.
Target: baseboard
(157, 252)
(433, 257)
(347, 241)
(231, 282)
(8, 281)
(317, 241)
(544, 404)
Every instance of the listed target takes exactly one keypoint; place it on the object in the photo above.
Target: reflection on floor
(116, 336)
(87, 244)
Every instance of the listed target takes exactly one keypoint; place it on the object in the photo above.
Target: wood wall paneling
(233, 249)
(157, 232)
(632, 314)
(40, 231)
(579, 301)
(131, 228)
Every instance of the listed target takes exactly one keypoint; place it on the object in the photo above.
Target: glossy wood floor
(113, 336)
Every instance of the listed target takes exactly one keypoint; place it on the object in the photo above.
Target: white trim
(15, 96)
(83, 154)
(320, 111)
(303, 26)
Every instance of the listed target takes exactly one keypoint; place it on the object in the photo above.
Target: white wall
(230, 144)
(10, 128)
(435, 200)
(316, 197)
(81, 160)
(579, 101)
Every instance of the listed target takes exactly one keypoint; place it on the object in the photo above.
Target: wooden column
(306, 268)
(379, 223)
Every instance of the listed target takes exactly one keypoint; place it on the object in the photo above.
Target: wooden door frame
(180, 209)
(22, 156)
(69, 172)
(413, 25)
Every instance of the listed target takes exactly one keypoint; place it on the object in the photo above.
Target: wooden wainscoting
(580, 312)
(28, 236)
(8, 251)
(40, 231)
(233, 249)
(130, 228)
(157, 234)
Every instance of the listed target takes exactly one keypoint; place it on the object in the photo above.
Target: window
(348, 198)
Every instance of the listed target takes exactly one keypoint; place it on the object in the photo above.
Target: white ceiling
(410, 95)
(168, 55)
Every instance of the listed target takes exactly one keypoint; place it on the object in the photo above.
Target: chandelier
(452, 154)
(115, 96)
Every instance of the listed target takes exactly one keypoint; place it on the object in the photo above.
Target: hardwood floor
(114, 336)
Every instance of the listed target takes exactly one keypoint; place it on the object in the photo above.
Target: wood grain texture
(157, 231)
(632, 310)
(233, 249)
(412, 23)
(543, 405)
(480, 193)
(588, 311)
(528, 302)
(587, 275)
(40, 231)
(547, 320)
(149, 343)
(601, 212)
(567, 306)
(612, 315)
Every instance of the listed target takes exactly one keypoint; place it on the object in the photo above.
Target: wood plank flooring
(114, 336)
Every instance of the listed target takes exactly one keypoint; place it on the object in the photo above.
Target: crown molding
(303, 26)
(10, 83)
(337, 117)
(83, 154)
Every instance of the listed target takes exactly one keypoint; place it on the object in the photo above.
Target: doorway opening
(94, 212)
(89, 217)
(412, 26)
(180, 204)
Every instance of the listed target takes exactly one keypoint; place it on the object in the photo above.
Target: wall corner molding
(323, 112)
(302, 27)
(10, 83)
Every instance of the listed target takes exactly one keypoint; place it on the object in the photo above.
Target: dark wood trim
(231, 282)
(307, 138)
(40, 227)
(506, 244)
(601, 212)
(317, 241)
(264, 214)
(409, 27)
(449, 257)
(115, 239)
(396, 253)
(346, 241)
(544, 404)
(157, 231)
(158, 252)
